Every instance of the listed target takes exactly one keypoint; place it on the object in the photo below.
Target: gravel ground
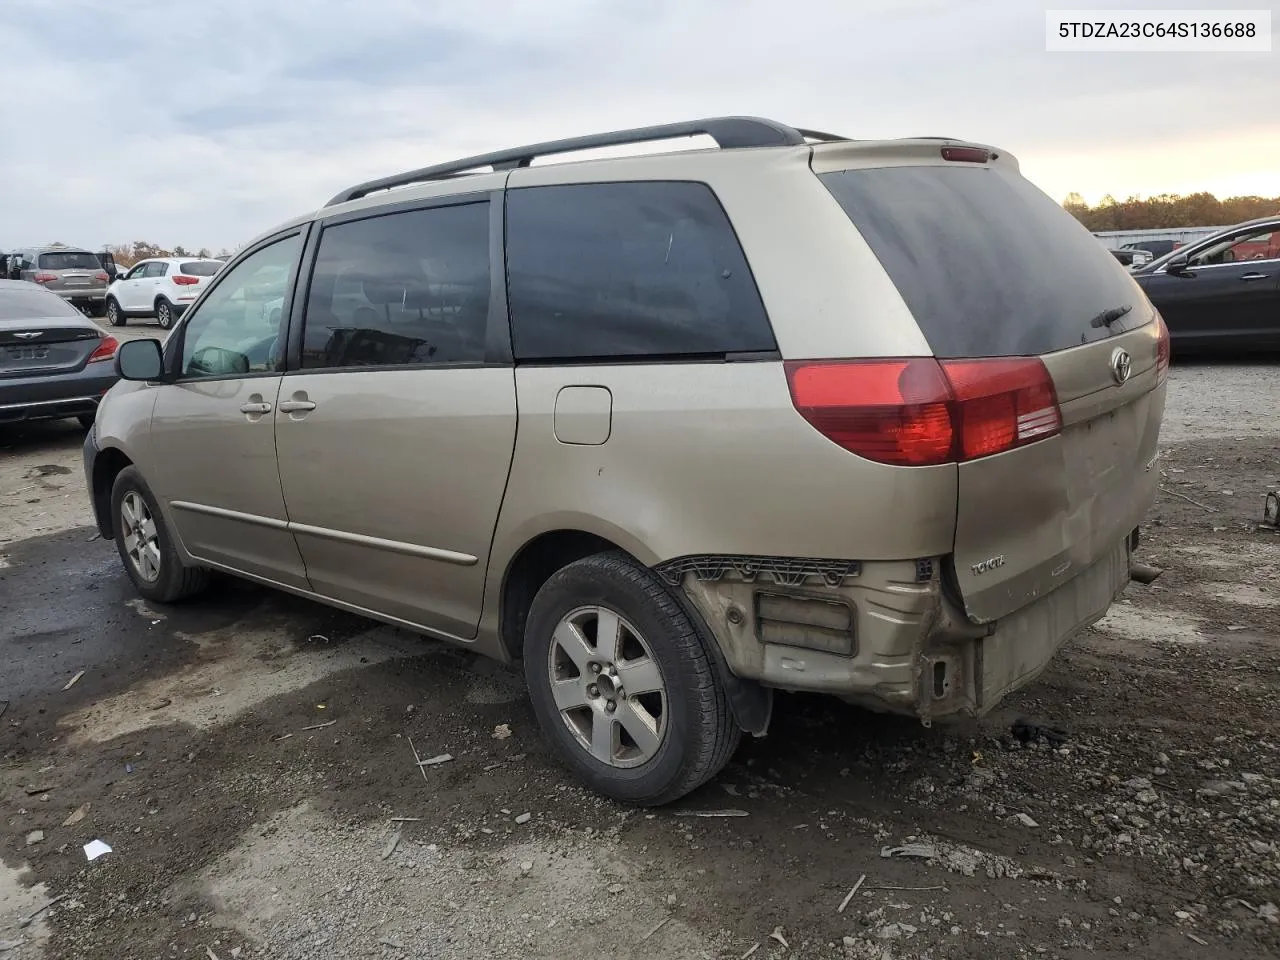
(247, 763)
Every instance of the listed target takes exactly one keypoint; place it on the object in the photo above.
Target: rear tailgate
(193, 276)
(36, 349)
(71, 273)
(40, 334)
(991, 267)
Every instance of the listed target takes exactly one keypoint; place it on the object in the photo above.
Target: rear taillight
(920, 411)
(101, 275)
(45, 277)
(1162, 348)
(966, 154)
(184, 280)
(106, 350)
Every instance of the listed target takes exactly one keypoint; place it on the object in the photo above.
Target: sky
(203, 124)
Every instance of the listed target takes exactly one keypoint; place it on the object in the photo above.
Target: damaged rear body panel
(885, 635)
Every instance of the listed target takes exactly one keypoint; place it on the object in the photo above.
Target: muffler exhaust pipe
(1143, 573)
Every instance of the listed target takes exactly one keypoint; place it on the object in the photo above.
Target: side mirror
(140, 360)
(1178, 264)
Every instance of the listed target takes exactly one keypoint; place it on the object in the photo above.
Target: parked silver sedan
(54, 362)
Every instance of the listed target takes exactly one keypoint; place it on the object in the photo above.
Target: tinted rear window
(20, 304)
(988, 265)
(200, 268)
(69, 260)
(628, 270)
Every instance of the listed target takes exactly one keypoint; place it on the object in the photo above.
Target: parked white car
(162, 287)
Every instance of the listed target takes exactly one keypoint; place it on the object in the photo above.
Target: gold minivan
(794, 412)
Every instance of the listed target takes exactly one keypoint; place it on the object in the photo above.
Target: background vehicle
(75, 275)
(1222, 292)
(162, 287)
(673, 430)
(1157, 248)
(1130, 257)
(53, 362)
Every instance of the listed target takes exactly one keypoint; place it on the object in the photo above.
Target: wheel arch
(530, 567)
(542, 555)
(106, 467)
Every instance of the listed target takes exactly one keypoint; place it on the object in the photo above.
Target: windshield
(19, 303)
(68, 260)
(988, 265)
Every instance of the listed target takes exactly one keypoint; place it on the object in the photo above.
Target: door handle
(1255, 276)
(252, 408)
(296, 406)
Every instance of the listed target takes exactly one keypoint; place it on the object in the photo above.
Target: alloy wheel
(141, 538)
(608, 687)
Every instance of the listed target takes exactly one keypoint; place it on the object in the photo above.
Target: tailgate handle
(1255, 276)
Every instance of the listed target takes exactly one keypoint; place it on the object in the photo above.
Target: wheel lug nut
(595, 668)
(593, 690)
(611, 706)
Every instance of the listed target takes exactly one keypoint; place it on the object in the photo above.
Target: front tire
(164, 313)
(115, 316)
(146, 546)
(623, 684)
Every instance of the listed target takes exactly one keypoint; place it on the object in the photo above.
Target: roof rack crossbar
(727, 132)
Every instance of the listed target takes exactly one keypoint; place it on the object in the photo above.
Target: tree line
(127, 254)
(1168, 210)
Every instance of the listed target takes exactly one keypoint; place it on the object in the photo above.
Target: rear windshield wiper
(1107, 317)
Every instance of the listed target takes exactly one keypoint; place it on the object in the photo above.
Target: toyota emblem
(1121, 364)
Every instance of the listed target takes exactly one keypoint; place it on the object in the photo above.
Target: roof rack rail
(727, 132)
(819, 135)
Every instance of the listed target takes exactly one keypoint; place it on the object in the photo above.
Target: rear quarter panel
(709, 459)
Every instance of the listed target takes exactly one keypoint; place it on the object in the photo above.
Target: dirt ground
(246, 757)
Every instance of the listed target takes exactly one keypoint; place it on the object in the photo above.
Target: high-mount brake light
(966, 154)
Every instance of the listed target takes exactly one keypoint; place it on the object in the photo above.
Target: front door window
(237, 329)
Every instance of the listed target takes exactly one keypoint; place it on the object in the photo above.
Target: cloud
(203, 124)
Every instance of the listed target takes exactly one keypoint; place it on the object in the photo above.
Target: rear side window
(988, 265)
(628, 270)
(402, 288)
(200, 268)
(68, 260)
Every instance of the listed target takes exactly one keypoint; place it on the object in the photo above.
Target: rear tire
(672, 730)
(115, 316)
(146, 546)
(164, 313)
(97, 309)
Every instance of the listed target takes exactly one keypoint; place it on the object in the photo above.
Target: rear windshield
(17, 303)
(201, 268)
(68, 260)
(988, 265)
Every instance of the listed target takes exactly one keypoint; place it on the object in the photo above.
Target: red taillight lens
(919, 412)
(892, 411)
(1001, 404)
(106, 350)
(1162, 348)
(966, 154)
(45, 277)
(185, 281)
(101, 275)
